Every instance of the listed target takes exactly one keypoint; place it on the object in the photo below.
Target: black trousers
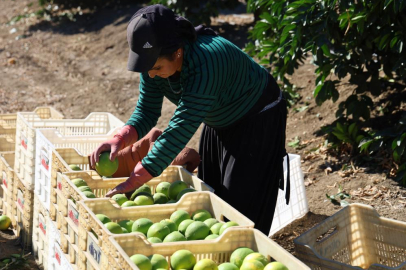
(244, 163)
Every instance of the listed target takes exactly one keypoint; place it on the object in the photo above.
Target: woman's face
(165, 67)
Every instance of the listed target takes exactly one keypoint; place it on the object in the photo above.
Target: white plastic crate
(298, 207)
(49, 139)
(7, 177)
(97, 123)
(40, 239)
(8, 121)
(219, 249)
(57, 259)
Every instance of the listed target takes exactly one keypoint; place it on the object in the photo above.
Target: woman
(212, 82)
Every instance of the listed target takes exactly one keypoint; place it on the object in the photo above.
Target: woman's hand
(137, 178)
(126, 136)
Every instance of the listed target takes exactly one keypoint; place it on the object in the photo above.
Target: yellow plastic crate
(8, 122)
(40, 236)
(97, 123)
(7, 144)
(355, 237)
(7, 177)
(219, 250)
(189, 202)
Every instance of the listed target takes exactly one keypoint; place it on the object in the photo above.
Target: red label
(5, 182)
(57, 256)
(59, 186)
(45, 164)
(74, 217)
(44, 160)
(24, 143)
(43, 228)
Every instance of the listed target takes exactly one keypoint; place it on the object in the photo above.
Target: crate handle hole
(327, 234)
(224, 218)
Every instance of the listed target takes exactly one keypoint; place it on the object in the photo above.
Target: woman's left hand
(137, 178)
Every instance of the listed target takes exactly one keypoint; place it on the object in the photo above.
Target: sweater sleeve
(149, 106)
(188, 116)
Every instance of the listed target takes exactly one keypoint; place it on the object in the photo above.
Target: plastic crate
(219, 250)
(7, 177)
(57, 258)
(25, 143)
(355, 237)
(40, 239)
(189, 202)
(47, 140)
(61, 158)
(8, 122)
(7, 144)
(298, 207)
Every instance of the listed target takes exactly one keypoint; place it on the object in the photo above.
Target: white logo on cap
(147, 45)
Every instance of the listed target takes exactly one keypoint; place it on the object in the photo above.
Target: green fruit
(197, 231)
(172, 201)
(113, 227)
(171, 225)
(228, 266)
(258, 257)
(183, 192)
(103, 218)
(141, 261)
(158, 230)
(201, 215)
(278, 266)
(154, 240)
(175, 188)
(238, 255)
(178, 216)
(227, 225)
(184, 224)
(124, 230)
(174, 237)
(79, 182)
(183, 259)
(205, 264)
(210, 222)
(215, 229)
(160, 198)
(144, 188)
(5, 222)
(74, 167)
(144, 200)
(142, 225)
(105, 167)
(89, 194)
(252, 265)
(158, 262)
(119, 198)
(128, 224)
(85, 188)
(128, 204)
(211, 236)
(163, 188)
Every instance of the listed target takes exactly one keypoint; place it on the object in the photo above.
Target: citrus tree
(361, 39)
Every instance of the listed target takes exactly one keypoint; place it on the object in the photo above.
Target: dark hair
(168, 53)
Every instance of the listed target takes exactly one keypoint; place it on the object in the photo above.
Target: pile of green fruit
(180, 226)
(242, 258)
(83, 187)
(165, 192)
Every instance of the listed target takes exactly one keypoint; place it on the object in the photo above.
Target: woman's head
(155, 32)
(167, 65)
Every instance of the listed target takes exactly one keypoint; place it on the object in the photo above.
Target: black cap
(149, 30)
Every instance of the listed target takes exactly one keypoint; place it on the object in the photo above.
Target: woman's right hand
(124, 137)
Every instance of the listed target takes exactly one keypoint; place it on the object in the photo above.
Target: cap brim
(142, 62)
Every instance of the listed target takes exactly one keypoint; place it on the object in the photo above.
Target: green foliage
(15, 261)
(355, 38)
(198, 12)
(339, 198)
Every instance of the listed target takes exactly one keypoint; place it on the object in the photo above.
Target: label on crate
(24, 141)
(20, 198)
(44, 160)
(42, 225)
(59, 183)
(4, 179)
(73, 214)
(94, 249)
(58, 254)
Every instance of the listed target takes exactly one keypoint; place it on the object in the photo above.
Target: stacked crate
(7, 181)
(33, 167)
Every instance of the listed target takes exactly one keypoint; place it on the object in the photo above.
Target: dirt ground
(80, 67)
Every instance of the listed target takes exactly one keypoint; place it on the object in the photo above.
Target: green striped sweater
(218, 84)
